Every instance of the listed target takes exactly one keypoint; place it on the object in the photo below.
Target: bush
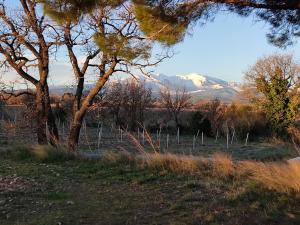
(201, 123)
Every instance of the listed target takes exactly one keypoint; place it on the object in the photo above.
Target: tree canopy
(168, 20)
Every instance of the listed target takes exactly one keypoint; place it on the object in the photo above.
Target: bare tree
(136, 98)
(175, 101)
(27, 39)
(215, 112)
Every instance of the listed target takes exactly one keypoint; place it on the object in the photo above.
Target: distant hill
(199, 86)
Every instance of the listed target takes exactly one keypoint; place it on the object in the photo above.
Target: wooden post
(167, 141)
(217, 134)
(121, 135)
(178, 134)
(143, 136)
(47, 132)
(194, 141)
(227, 140)
(202, 139)
(159, 137)
(233, 134)
(197, 134)
(246, 142)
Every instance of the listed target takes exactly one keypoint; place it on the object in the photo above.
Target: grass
(147, 189)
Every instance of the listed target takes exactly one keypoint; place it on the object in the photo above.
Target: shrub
(201, 123)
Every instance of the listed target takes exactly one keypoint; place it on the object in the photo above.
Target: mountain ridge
(201, 87)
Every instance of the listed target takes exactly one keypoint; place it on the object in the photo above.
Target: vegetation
(142, 180)
(276, 77)
(150, 188)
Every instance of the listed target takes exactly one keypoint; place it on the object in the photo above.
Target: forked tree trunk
(73, 138)
(81, 109)
(44, 115)
(52, 128)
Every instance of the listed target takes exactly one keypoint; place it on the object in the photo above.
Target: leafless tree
(175, 101)
(136, 98)
(215, 112)
(27, 39)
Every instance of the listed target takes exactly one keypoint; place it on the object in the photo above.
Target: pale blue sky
(224, 49)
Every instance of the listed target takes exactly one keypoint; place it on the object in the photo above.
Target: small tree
(133, 97)
(215, 111)
(175, 101)
(137, 97)
(277, 78)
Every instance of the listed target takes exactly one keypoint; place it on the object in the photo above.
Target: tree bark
(75, 131)
(44, 117)
(52, 128)
(40, 116)
(86, 103)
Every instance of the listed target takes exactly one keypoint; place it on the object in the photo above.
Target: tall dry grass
(278, 176)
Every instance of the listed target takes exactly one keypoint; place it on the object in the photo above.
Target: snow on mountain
(199, 86)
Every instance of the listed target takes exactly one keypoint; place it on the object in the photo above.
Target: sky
(224, 48)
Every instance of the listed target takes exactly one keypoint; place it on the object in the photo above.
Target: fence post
(217, 134)
(143, 135)
(167, 141)
(227, 140)
(178, 134)
(194, 140)
(246, 142)
(233, 134)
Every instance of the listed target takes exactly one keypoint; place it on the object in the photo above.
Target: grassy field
(40, 188)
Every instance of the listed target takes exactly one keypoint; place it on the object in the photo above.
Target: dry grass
(222, 165)
(279, 176)
(174, 163)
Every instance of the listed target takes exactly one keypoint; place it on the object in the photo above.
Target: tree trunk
(53, 131)
(81, 109)
(45, 116)
(77, 117)
(40, 116)
(75, 131)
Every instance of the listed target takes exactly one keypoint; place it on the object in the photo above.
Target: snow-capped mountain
(199, 86)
